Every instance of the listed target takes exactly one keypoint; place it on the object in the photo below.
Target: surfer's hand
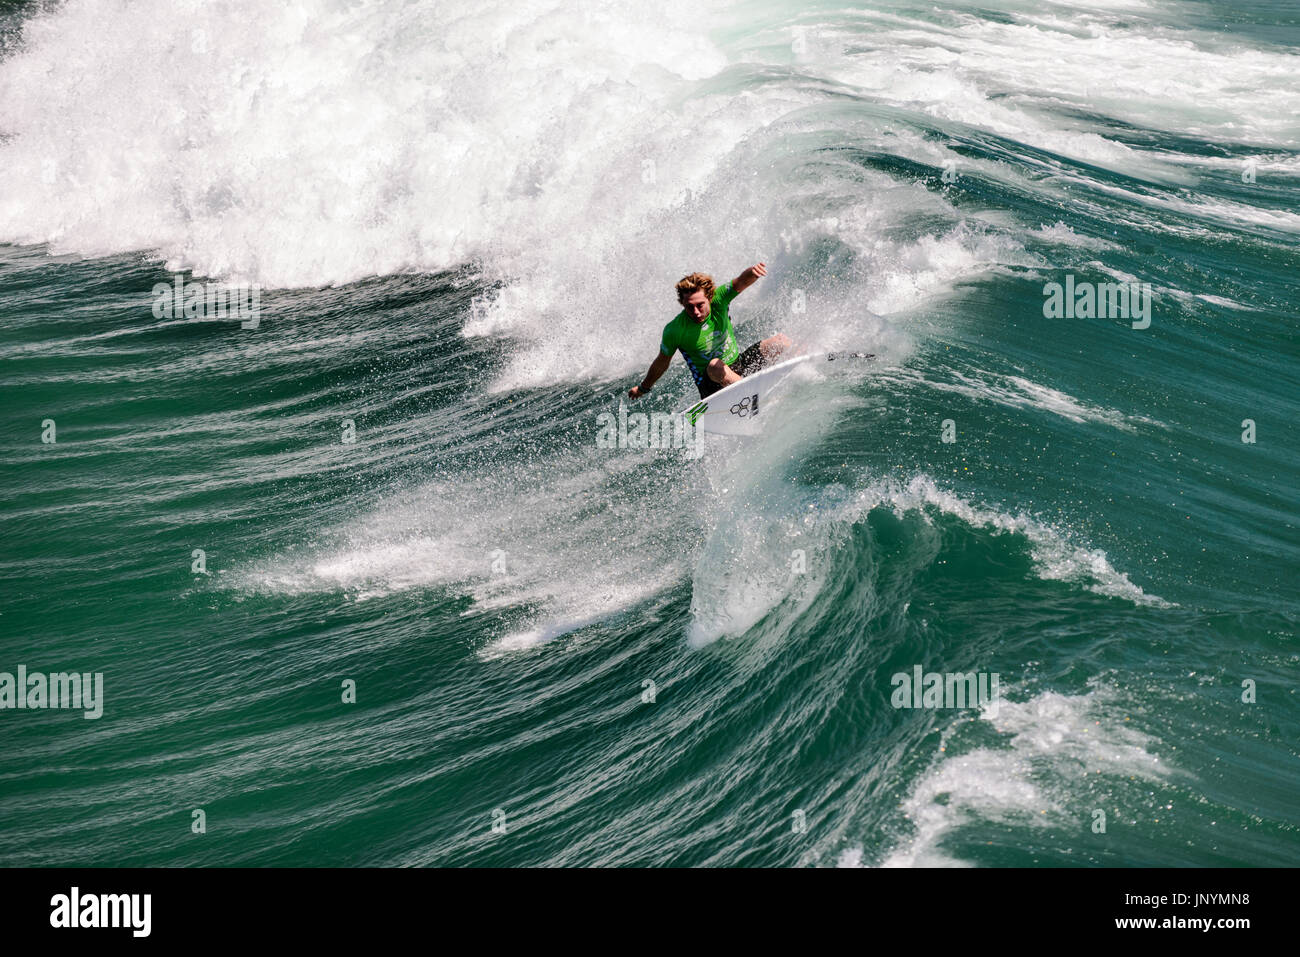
(759, 271)
(635, 392)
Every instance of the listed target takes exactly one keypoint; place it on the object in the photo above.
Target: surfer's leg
(773, 346)
(721, 373)
(751, 360)
(760, 354)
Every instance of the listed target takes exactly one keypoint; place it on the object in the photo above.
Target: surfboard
(735, 409)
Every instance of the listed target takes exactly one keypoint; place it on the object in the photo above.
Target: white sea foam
(1221, 301)
(532, 545)
(1014, 77)
(1059, 234)
(1055, 748)
(321, 142)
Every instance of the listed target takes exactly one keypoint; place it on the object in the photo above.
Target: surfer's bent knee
(775, 345)
(717, 370)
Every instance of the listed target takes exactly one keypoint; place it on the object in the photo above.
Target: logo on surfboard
(746, 406)
(695, 411)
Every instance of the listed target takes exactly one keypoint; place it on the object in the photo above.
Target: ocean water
(465, 221)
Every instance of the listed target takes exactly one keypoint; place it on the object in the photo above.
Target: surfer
(703, 333)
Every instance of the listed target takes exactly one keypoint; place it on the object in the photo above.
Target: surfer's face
(697, 305)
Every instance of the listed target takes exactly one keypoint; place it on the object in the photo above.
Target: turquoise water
(466, 224)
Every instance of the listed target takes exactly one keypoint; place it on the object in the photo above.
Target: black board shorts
(751, 360)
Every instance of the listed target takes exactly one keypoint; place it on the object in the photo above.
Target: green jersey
(701, 341)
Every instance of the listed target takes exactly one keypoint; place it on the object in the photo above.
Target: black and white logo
(746, 406)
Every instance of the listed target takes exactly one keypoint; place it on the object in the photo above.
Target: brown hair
(687, 286)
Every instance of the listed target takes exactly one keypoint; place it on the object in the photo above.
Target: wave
(1057, 758)
(1020, 393)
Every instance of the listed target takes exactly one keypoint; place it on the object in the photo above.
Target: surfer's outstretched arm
(657, 368)
(748, 278)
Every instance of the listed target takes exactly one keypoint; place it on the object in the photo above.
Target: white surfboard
(735, 409)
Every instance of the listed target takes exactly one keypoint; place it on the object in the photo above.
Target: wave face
(362, 581)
